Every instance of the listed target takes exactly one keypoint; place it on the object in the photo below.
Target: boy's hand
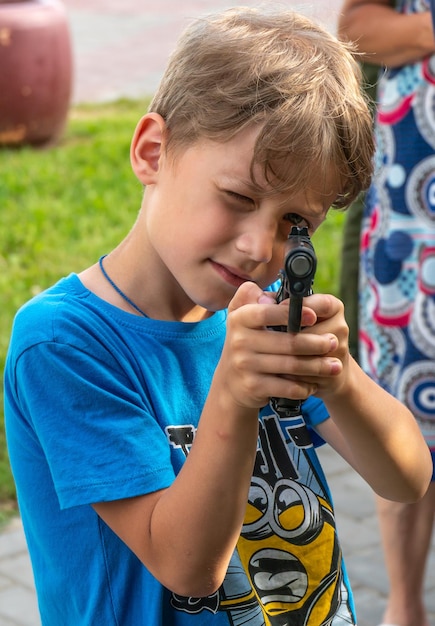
(329, 319)
(258, 363)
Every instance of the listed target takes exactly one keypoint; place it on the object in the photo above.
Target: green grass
(64, 206)
(327, 243)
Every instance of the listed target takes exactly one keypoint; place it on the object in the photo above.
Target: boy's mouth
(230, 274)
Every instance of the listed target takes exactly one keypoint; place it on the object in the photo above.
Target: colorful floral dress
(397, 272)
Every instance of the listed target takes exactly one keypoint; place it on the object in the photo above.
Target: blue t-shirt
(102, 405)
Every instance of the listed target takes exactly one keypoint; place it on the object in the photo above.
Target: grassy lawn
(64, 206)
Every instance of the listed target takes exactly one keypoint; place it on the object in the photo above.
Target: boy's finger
(324, 306)
(248, 293)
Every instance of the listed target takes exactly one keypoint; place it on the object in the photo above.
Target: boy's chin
(212, 305)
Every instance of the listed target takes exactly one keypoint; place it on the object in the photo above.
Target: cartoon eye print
(288, 510)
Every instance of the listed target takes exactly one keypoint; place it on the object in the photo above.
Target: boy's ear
(146, 147)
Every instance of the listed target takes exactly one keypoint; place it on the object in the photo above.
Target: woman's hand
(382, 35)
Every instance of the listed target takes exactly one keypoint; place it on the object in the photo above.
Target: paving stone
(18, 606)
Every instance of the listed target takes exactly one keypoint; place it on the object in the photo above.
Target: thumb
(247, 293)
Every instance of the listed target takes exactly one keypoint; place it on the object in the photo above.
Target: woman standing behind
(397, 268)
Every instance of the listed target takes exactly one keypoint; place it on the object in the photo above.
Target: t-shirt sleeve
(96, 430)
(314, 412)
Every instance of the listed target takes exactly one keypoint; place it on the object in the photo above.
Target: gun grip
(294, 314)
(285, 407)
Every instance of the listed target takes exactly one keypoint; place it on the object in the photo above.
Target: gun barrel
(299, 269)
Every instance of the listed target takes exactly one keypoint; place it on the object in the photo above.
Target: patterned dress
(397, 272)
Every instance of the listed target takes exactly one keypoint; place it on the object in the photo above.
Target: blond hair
(281, 70)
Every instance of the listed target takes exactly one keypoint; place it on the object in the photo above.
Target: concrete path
(121, 46)
(120, 50)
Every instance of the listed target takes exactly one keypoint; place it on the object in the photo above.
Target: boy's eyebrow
(238, 181)
(246, 186)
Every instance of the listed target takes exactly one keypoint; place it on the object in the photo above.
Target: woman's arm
(383, 36)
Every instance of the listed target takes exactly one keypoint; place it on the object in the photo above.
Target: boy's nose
(257, 242)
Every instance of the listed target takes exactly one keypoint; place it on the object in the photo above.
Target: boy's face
(212, 230)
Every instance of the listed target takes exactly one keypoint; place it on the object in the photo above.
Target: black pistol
(297, 278)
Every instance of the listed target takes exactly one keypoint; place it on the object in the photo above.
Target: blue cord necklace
(117, 289)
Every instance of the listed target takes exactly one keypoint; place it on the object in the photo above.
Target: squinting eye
(239, 198)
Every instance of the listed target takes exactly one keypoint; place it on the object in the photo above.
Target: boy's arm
(373, 432)
(185, 535)
(384, 36)
(370, 428)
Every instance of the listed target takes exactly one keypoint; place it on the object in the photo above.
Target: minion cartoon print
(287, 568)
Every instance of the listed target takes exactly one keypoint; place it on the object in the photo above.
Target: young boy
(150, 490)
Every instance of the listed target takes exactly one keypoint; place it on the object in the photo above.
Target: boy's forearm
(186, 534)
(203, 511)
(385, 37)
(382, 438)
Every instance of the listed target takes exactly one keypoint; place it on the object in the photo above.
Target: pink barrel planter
(35, 71)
